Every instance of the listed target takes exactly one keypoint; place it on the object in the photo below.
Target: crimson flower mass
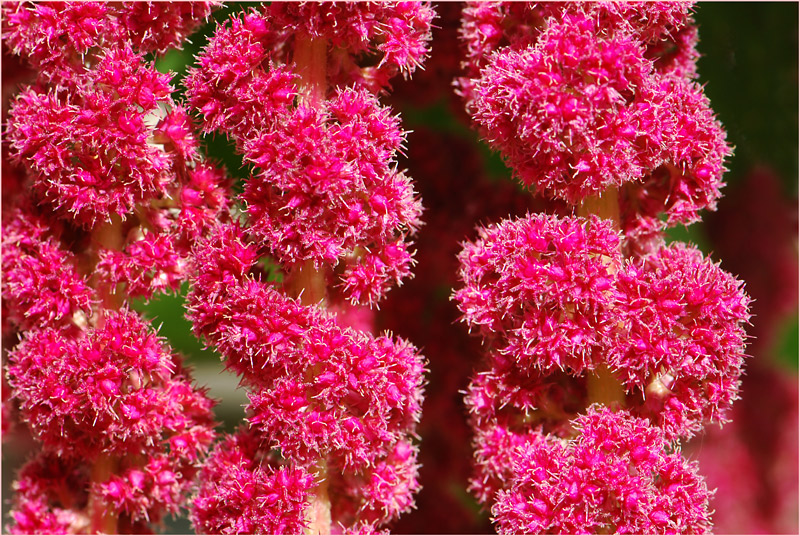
(602, 346)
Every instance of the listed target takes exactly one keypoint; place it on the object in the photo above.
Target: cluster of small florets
(113, 193)
(246, 490)
(41, 284)
(325, 202)
(319, 391)
(326, 187)
(107, 141)
(585, 97)
(586, 100)
(614, 476)
(553, 293)
(61, 39)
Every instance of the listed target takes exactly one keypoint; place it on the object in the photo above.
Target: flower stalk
(103, 517)
(308, 283)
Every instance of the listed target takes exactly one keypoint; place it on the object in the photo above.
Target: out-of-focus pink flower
(755, 234)
(49, 494)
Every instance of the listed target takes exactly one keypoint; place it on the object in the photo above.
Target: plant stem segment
(602, 386)
(319, 509)
(108, 235)
(103, 520)
(310, 57)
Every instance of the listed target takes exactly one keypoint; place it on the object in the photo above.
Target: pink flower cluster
(62, 39)
(325, 203)
(554, 294)
(324, 169)
(42, 285)
(613, 475)
(587, 106)
(113, 194)
(246, 490)
(603, 348)
(321, 390)
(589, 96)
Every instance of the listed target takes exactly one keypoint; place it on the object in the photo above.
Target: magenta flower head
(115, 396)
(551, 294)
(41, 285)
(581, 98)
(339, 403)
(328, 190)
(61, 39)
(246, 490)
(245, 74)
(664, 28)
(616, 475)
(117, 390)
(541, 290)
(87, 145)
(683, 348)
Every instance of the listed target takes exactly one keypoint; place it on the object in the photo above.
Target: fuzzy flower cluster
(554, 294)
(113, 193)
(246, 75)
(325, 162)
(109, 143)
(319, 391)
(595, 104)
(589, 96)
(114, 393)
(614, 476)
(296, 87)
(41, 283)
(61, 39)
(246, 490)
(328, 189)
